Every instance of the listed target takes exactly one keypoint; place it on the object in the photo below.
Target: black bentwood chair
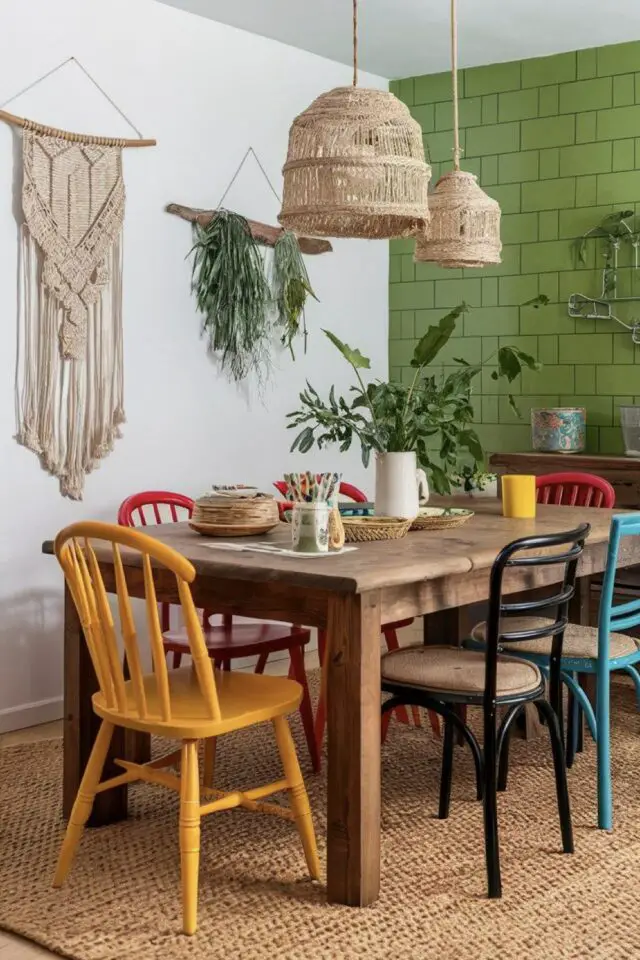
(443, 678)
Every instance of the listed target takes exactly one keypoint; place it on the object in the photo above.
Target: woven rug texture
(122, 899)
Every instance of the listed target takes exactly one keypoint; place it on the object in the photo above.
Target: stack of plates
(234, 514)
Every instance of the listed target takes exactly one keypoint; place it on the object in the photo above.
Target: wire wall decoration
(617, 234)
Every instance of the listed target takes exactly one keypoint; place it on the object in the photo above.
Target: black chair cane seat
(454, 670)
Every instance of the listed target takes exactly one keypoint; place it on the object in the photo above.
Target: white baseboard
(30, 714)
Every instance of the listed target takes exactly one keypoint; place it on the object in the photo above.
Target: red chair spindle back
(152, 498)
(575, 490)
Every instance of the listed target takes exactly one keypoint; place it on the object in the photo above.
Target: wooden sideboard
(623, 473)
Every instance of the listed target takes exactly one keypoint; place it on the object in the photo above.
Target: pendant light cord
(355, 43)
(454, 84)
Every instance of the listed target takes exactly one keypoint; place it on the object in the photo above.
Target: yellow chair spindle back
(199, 654)
(82, 571)
(129, 635)
(155, 639)
(82, 589)
(107, 631)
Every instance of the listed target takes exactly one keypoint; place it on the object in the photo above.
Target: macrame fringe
(69, 411)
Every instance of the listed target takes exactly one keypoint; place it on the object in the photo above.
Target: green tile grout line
(556, 140)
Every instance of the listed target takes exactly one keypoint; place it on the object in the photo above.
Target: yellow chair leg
(83, 803)
(297, 794)
(189, 834)
(209, 761)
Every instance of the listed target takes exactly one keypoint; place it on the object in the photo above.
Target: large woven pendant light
(355, 165)
(464, 229)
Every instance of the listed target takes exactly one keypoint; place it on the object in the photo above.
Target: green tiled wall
(556, 140)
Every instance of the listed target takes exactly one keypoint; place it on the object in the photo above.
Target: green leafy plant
(613, 230)
(232, 293)
(433, 411)
(612, 226)
(471, 478)
(290, 288)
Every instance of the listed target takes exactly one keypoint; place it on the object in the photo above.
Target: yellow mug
(518, 496)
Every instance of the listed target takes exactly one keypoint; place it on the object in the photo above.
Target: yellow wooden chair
(191, 704)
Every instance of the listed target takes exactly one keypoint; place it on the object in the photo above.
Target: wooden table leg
(353, 688)
(446, 627)
(137, 745)
(81, 725)
(579, 611)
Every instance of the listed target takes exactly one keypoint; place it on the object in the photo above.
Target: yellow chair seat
(245, 698)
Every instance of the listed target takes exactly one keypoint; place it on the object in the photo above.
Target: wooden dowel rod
(262, 233)
(73, 137)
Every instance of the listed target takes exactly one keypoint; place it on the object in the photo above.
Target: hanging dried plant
(232, 293)
(290, 287)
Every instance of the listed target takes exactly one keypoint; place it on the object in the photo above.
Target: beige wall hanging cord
(66, 134)
(262, 233)
(69, 384)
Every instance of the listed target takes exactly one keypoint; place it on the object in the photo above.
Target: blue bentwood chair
(597, 650)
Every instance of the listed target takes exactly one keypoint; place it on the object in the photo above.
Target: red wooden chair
(229, 640)
(575, 490)
(389, 632)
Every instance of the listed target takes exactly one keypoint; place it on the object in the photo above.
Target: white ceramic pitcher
(399, 485)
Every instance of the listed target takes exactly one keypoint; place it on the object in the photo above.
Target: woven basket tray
(363, 529)
(234, 517)
(440, 518)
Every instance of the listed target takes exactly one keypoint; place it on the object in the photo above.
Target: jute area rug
(121, 901)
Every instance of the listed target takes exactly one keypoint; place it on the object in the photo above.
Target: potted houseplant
(471, 481)
(427, 422)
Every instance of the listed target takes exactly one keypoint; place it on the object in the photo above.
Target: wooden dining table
(435, 574)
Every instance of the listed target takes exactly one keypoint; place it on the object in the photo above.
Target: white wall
(206, 92)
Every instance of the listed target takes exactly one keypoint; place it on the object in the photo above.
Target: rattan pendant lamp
(355, 165)
(464, 229)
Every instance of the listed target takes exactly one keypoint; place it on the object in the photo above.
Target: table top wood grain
(424, 555)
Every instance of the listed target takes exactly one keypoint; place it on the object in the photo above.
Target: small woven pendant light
(355, 165)
(464, 229)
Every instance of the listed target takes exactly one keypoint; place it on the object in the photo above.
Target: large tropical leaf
(428, 348)
(354, 357)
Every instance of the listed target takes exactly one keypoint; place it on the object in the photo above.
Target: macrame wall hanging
(70, 370)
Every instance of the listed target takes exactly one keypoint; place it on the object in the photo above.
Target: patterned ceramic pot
(558, 429)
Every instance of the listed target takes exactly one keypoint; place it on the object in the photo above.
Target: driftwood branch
(262, 233)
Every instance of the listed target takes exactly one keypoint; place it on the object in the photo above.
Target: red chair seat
(243, 640)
